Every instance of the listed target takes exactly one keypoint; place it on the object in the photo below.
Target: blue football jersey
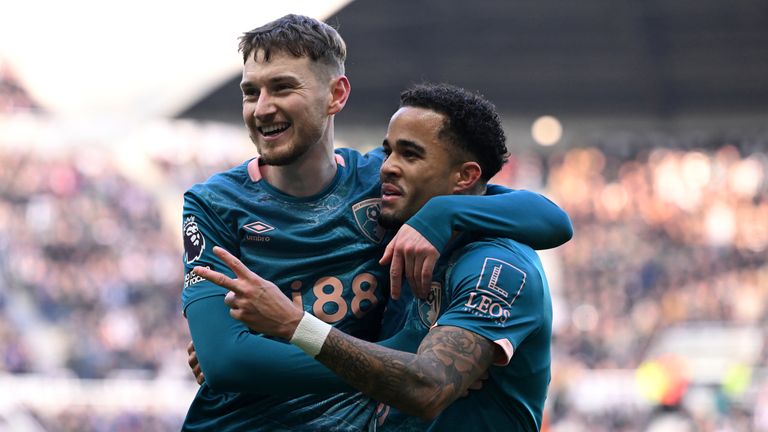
(495, 288)
(321, 251)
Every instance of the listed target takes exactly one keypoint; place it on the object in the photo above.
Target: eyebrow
(272, 81)
(402, 144)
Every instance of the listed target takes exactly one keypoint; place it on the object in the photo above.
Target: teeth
(272, 129)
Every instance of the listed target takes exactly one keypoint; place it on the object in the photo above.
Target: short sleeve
(495, 293)
(202, 229)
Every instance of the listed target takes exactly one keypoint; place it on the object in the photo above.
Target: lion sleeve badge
(194, 242)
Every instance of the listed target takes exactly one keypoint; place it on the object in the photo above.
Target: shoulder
(354, 158)
(503, 249)
(222, 182)
(497, 265)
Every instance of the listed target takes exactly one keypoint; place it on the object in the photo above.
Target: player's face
(418, 166)
(285, 105)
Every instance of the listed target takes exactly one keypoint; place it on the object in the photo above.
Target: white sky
(141, 59)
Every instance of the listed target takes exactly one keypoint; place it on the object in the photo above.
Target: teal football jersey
(321, 251)
(495, 288)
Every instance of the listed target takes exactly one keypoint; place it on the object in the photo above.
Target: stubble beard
(388, 221)
(280, 158)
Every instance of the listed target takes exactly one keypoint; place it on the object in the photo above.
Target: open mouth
(389, 190)
(273, 129)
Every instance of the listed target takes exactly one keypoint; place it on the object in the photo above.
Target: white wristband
(310, 334)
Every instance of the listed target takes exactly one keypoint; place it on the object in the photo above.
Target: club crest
(429, 308)
(194, 242)
(367, 218)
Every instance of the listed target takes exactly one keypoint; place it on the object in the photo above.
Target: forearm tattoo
(449, 359)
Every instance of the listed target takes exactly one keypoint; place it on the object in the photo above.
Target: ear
(468, 177)
(340, 89)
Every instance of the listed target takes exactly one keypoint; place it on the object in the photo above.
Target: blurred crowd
(665, 234)
(670, 236)
(84, 257)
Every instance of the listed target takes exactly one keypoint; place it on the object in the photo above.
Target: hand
(255, 301)
(477, 385)
(194, 364)
(409, 251)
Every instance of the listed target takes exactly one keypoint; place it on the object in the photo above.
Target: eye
(250, 93)
(281, 87)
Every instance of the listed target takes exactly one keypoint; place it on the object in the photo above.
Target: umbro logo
(258, 227)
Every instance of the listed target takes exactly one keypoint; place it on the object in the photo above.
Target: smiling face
(287, 105)
(419, 164)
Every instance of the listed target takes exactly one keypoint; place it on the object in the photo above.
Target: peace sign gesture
(252, 299)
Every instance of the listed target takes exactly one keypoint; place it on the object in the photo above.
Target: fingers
(427, 268)
(199, 377)
(477, 385)
(387, 257)
(219, 279)
(410, 266)
(229, 300)
(413, 257)
(194, 364)
(237, 266)
(395, 275)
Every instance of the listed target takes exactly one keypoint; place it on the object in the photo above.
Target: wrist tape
(310, 335)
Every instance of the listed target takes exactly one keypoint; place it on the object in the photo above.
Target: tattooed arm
(448, 361)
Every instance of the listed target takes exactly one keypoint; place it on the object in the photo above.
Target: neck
(308, 175)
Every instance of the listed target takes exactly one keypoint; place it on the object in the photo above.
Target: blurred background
(646, 121)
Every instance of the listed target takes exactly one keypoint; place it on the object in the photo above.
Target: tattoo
(448, 361)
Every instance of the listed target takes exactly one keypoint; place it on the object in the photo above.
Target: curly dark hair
(472, 123)
(300, 36)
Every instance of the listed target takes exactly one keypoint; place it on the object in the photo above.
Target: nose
(264, 106)
(390, 168)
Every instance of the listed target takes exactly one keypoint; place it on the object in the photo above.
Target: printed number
(363, 288)
(363, 294)
(333, 297)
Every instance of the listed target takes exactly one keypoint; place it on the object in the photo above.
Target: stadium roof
(654, 57)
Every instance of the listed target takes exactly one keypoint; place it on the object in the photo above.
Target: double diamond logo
(258, 227)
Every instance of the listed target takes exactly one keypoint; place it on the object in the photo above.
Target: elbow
(567, 231)
(429, 402)
(562, 230)
(221, 371)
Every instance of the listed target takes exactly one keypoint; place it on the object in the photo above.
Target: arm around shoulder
(521, 215)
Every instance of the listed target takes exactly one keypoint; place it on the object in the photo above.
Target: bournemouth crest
(367, 218)
(194, 242)
(429, 308)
